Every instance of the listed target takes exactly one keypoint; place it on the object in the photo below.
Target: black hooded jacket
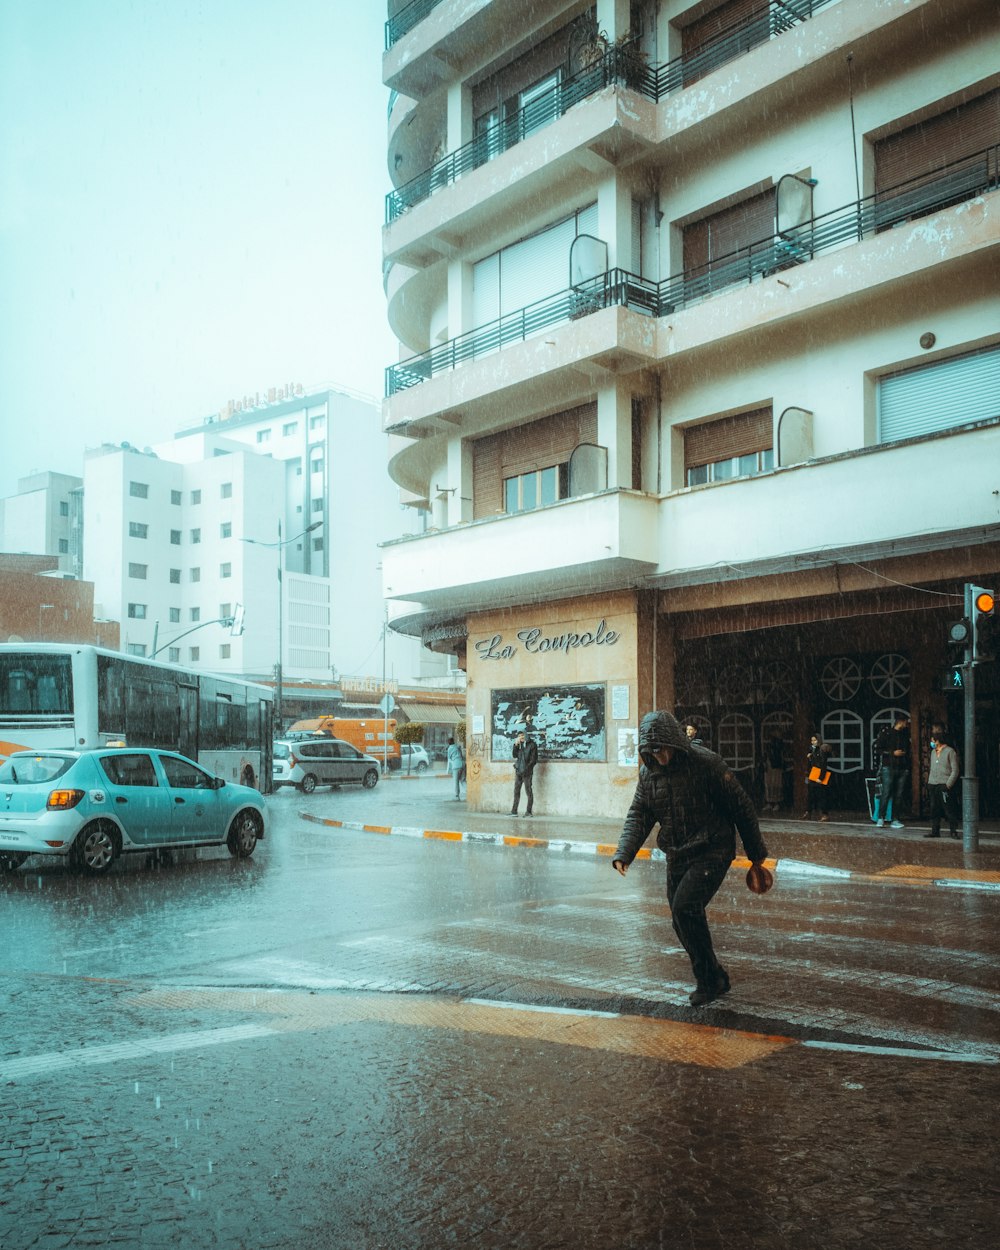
(695, 799)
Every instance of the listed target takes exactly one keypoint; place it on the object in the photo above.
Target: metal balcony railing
(405, 20)
(953, 184)
(618, 66)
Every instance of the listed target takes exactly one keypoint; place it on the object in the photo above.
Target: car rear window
(281, 752)
(25, 770)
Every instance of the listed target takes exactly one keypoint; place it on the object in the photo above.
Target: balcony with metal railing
(405, 20)
(617, 66)
(953, 184)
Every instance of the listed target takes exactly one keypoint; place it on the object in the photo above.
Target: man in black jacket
(691, 793)
(525, 758)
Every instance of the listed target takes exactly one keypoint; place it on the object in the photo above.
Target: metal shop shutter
(939, 396)
(930, 144)
(741, 435)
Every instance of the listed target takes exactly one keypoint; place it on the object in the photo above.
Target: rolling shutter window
(741, 435)
(939, 396)
(486, 290)
(536, 267)
(586, 220)
(938, 141)
(730, 229)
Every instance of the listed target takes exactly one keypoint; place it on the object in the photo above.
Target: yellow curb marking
(924, 873)
(443, 835)
(377, 828)
(667, 1040)
(513, 840)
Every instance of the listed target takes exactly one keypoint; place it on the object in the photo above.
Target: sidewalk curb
(948, 878)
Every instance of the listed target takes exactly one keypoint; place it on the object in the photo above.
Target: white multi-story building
(699, 374)
(274, 508)
(43, 518)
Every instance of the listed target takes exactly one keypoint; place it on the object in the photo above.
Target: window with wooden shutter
(727, 31)
(526, 450)
(730, 447)
(719, 235)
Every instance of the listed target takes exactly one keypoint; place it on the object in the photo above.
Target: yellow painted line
(922, 872)
(669, 1041)
(443, 835)
(742, 862)
(377, 828)
(512, 840)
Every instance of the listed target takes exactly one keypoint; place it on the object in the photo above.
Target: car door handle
(120, 798)
(178, 799)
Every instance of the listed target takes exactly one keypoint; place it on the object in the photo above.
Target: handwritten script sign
(535, 642)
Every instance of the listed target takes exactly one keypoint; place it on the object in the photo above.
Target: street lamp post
(278, 686)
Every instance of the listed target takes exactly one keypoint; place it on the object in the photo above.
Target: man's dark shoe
(723, 981)
(705, 994)
(932, 835)
(527, 813)
(514, 813)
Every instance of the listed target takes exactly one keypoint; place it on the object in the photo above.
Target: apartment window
(317, 544)
(175, 616)
(196, 575)
(137, 611)
(316, 466)
(730, 447)
(318, 422)
(194, 653)
(727, 31)
(196, 496)
(63, 546)
(174, 655)
(175, 577)
(175, 537)
(175, 498)
(138, 490)
(196, 536)
(195, 615)
(226, 490)
(225, 650)
(225, 610)
(226, 529)
(289, 428)
(709, 243)
(63, 508)
(136, 529)
(136, 648)
(939, 396)
(263, 436)
(226, 569)
(138, 571)
(535, 489)
(317, 505)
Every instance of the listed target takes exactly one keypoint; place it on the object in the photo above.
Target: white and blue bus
(69, 695)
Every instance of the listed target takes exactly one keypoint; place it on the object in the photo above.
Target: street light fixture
(282, 542)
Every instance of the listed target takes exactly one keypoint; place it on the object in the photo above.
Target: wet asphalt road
(361, 1041)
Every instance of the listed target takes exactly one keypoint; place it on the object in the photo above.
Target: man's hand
(619, 866)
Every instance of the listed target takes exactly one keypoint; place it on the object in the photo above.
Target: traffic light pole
(970, 782)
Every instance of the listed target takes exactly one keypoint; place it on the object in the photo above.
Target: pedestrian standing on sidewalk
(698, 804)
(818, 778)
(942, 776)
(892, 757)
(456, 762)
(525, 759)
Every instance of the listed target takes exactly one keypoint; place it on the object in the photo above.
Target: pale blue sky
(191, 195)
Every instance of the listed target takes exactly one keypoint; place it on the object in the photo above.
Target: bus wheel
(243, 834)
(10, 861)
(308, 783)
(248, 778)
(95, 849)
(370, 779)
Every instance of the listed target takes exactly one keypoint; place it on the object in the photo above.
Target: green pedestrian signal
(954, 679)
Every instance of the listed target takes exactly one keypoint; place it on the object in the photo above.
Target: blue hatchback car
(92, 806)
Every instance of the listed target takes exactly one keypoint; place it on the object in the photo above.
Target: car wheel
(370, 779)
(421, 767)
(95, 849)
(308, 783)
(10, 861)
(243, 834)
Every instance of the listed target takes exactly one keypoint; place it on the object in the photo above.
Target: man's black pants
(691, 887)
(525, 780)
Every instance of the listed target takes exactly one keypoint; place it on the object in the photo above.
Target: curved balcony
(416, 136)
(412, 295)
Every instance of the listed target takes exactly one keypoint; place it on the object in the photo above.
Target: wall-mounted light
(928, 340)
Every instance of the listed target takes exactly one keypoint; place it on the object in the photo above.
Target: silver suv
(413, 757)
(322, 762)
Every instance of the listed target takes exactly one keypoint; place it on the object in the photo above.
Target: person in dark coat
(692, 794)
(525, 758)
(892, 758)
(817, 791)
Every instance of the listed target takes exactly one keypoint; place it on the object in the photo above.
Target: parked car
(92, 806)
(322, 762)
(413, 758)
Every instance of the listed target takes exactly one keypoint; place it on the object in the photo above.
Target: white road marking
(900, 1052)
(555, 1011)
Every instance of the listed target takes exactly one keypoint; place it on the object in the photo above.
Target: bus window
(36, 683)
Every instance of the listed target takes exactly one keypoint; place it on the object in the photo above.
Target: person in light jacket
(942, 777)
(456, 762)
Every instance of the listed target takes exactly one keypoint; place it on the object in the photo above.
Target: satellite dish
(15, 638)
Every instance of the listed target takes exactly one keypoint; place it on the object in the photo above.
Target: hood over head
(661, 729)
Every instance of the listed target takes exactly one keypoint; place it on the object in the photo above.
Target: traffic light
(984, 624)
(960, 633)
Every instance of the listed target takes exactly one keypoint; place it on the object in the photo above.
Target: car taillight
(60, 800)
(292, 761)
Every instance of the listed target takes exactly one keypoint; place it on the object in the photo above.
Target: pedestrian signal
(954, 679)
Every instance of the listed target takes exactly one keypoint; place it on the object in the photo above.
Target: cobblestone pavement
(359, 1041)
